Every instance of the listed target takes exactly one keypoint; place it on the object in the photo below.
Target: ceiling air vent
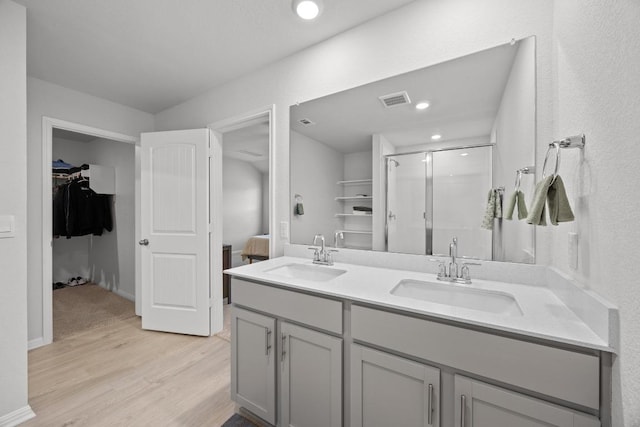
(395, 99)
(306, 122)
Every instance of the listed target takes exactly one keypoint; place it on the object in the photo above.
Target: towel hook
(556, 145)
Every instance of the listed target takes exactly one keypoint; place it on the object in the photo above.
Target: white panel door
(253, 362)
(482, 405)
(175, 231)
(387, 390)
(311, 375)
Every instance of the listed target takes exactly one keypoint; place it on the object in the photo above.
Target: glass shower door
(461, 181)
(406, 204)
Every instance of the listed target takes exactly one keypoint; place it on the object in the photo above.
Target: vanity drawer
(563, 374)
(321, 313)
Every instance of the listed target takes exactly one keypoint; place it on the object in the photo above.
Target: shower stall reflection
(432, 196)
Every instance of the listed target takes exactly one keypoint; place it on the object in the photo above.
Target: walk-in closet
(93, 224)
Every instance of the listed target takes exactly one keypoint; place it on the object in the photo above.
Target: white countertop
(544, 314)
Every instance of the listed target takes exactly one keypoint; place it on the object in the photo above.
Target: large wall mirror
(407, 163)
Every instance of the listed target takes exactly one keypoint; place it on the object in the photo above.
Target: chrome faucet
(452, 274)
(453, 253)
(321, 255)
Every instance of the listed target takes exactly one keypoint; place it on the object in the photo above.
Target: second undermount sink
(458, 296)
(314, 273)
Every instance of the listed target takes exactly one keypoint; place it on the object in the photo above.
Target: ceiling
(464, 96)
(154, 54)
(249, 144)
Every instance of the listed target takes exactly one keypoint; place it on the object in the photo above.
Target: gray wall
(242, 203)
(112, 255)
(13, 173)
(597, 91)
(316, 168)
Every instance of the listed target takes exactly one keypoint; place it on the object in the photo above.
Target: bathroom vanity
(357, 345)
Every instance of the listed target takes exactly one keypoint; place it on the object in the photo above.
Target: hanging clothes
(79, 211)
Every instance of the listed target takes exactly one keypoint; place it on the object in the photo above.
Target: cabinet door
(481, 405)
(311, 387)
(388, 390)
(253, 363)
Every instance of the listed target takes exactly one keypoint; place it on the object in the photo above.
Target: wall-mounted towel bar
(523, 171)
(576, 141)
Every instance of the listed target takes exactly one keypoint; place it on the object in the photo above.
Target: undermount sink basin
(314, 273)
(458, 296)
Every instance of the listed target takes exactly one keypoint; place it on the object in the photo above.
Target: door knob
(143, 242)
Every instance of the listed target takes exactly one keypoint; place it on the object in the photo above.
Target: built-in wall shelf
(355, 182)
(355, 193)
(102, 179)
(343, 198)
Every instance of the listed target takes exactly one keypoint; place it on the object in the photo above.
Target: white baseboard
(17, 417)
(35, 343)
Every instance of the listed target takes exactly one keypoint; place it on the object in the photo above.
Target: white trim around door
(217, 130)
(48, 124)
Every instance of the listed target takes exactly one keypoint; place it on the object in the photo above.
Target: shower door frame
(428, 199)
(428, 212)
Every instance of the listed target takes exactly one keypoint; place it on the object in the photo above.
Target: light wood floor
(120, 375)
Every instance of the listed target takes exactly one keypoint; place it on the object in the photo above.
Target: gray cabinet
(387, 390)
(482, 405)
(276, 363)
(287, 368)
(253, 363)
(311, 378)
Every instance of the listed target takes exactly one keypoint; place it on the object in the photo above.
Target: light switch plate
(284, 230)
(573, 251)
(7, 226)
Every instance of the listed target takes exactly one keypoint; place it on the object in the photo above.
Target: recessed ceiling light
(422, 105)
(307, 9)
(436, 136)
(464, 154)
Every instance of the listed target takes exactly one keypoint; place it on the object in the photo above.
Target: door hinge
(210, 228)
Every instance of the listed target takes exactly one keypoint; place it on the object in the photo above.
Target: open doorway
(89, 201)
(241, 148)
(245, 192)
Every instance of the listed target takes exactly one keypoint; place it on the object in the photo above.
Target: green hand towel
(511, 205)
(498, 211)
(522, 207)
(537, 214)
(490, 212)
(517, 198)
(559, 208)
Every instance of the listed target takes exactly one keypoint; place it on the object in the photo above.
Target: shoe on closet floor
(76, 281)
